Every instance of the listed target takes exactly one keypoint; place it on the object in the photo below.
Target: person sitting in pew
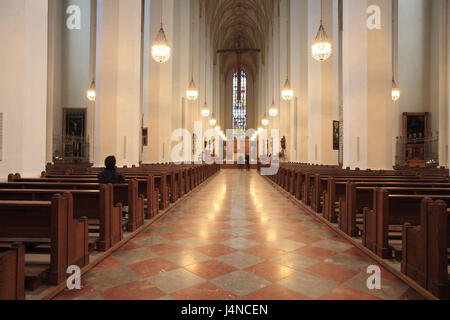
(110, 175)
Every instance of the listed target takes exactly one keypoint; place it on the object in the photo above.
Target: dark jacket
(111, 176)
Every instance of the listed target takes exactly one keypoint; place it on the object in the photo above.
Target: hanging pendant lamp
(273, 111)
(192, 92)
(395, 91)
(321, 48)
(287, 93)
(265, 121)
(212, 121)
(160, 49)
(205, 110)
(91, 94)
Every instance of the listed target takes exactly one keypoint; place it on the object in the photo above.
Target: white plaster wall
(414, 40)
(71, 64)
(422, 58)
(23, 85)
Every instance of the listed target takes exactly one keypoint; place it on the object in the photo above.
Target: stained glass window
(239, 104)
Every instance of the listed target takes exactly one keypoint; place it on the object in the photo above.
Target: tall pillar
(299, 74)
(367, 74)
(442, 76)
(285, 106)
(448, 82)
(118, 76)
(323, 85)
(23, 86)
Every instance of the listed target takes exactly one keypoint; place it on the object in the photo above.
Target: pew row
(12, 272)
(49, 223)
(382, 225)
(426, 247)
(125, 194)
(97, 205)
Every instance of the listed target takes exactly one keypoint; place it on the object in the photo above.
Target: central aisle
(236, 238)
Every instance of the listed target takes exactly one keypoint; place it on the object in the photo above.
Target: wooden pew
(146, 185)
(172, 181)
(425, 248)
(337, 192)
(332, 194)
(126, 194)
(386, 220)
(357, 198)
(313, 179)
(12, 273)
(96, 205)
(48, 223)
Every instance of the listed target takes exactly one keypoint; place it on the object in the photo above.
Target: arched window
(239, 104)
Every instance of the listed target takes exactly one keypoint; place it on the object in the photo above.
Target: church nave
(236, 238)
(225, 150)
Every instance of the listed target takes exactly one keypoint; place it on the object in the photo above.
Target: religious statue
(283, 143)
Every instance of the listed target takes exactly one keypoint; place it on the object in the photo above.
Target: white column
(442, 77)
(160, 86)
(117, 115)
(300, 52)
(367, 72)
(323, 85)
(23, 85)
(285, 106)
(448, 84)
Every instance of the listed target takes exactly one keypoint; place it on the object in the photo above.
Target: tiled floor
(237, 238)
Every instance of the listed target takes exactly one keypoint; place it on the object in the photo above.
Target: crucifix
(239, 51)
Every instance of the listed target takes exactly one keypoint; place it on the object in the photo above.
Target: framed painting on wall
(74, 123)
(336, 134)
(144, 137)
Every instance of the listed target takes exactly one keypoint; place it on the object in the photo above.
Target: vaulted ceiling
(248, 20)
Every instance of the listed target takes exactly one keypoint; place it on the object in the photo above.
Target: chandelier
(273, 111)
(192, 92)
(91, 94)
(395, 91)
(160, 49)
(205, 110)
(321, 48)
(212, 121)
(287, 94)
(265, 121)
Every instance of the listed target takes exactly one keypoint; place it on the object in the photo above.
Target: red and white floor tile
(237, 238)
